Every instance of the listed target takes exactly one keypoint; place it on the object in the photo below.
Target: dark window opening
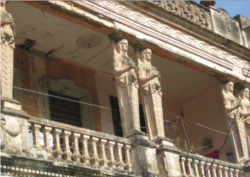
(117, 118)
(65, 111)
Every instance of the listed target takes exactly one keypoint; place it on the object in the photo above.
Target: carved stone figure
(11, 132)
(127, 87)
(149, 79)
(237, 111)
(7, 48)
(230, 101)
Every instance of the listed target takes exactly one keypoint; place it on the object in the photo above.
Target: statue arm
(144, 79)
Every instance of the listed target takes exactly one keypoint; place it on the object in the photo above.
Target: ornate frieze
(189, 11)
(168, 30)
(226, 26)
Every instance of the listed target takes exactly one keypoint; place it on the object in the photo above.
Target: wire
(205, 126)
(230, 125)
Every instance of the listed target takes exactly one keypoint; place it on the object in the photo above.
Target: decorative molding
(170, 31)
(68, 88)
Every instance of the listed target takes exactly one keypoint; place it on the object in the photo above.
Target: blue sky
(235, 7)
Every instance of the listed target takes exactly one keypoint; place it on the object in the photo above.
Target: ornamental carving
(126, 86)
(7, 49)
(151, 94)
(172, 32)
(226, 26)
(5, 131)
(187, 10)
(237, 111)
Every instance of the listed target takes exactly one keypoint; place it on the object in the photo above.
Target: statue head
(228, 87)
(146, 55)
(3, 3)
(122, 45)
(245, 93)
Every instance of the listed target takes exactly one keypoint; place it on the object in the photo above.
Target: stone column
(7, 52)
(119, 162)
(14, 125)
(126, 86)
(94, 153)
(213, 170)
(207, 170)
(225, 171)
(111, 161)
(151, 94)
(183, 166)
(237, 112)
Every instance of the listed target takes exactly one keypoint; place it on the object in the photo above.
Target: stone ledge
(16, 166)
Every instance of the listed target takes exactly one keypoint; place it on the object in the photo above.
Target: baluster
(35, 129)
(201, 168)
(76, 154)
(230, 172)
(183, 159)
(189, 168)
(213, 169)
(103, 160)
(85, 154)
(119, 162)
(195, 167)
(242, 173)
(58, 151)
(236, 173)
(94, 156)
(225, 171)
(110, 146)
(207, 170)
(46, 130)
(67, 154)
(30, 131)
(219, 170)
(128, 165)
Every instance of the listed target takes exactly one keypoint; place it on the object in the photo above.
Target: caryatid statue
(126, 86)
(151, 94)
(237, 111)
(7, 51)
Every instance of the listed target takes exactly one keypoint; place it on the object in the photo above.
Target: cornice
(199, 32)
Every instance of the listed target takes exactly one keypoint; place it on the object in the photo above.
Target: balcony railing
(194, 165)
(69, 145)
(189, 10)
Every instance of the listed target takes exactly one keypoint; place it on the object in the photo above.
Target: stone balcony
(57, 149)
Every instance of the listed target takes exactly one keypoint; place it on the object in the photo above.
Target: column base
(14, 128)
(143, 151)
(13, 107)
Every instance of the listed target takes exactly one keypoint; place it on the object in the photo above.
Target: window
(117, 118)
(69, 112)
(64, 111)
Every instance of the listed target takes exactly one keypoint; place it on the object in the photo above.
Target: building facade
(124, 88)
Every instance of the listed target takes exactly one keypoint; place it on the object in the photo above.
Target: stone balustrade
(191, 11)
(197, 166)
(65, 145)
